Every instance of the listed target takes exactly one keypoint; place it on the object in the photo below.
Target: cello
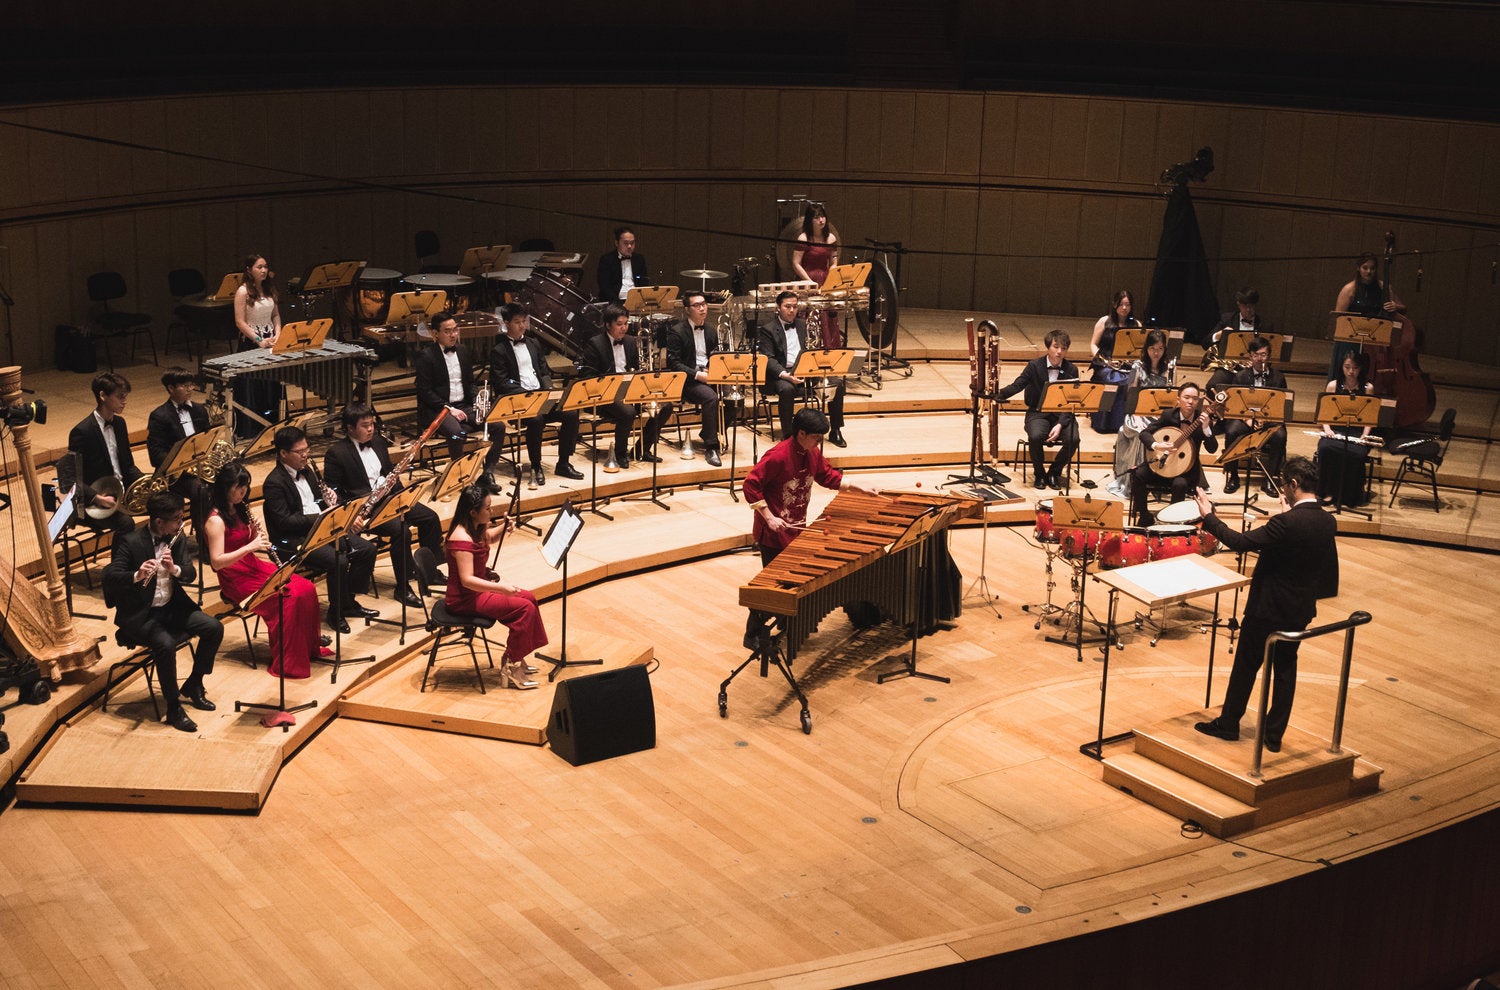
(1397, 369)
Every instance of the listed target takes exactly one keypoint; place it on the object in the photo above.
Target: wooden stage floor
(918, 825)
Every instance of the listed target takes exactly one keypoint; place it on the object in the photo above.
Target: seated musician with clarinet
(779, 488)
(294, 498)
(1044, 428)
(359, 467)
(106, 467)
(1173, 442)
(517, 364)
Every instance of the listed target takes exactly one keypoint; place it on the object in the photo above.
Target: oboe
(255, 530)
(515, 496)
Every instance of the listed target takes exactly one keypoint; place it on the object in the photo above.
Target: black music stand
(591, 393)
(1269, 405)
(333, 527)
(555, 548)
(662, 388)
(768, 650)
(396, 507)
(57, 526)
(734, 370)
(917, 538)
(279, 713)
(1093, 519)
(510, 411)
(1352, 412)
(1081, 399)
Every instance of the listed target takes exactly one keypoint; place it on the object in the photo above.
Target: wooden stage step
(453, 703)
(1207, 780)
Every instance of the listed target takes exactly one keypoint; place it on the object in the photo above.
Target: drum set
(1177, 533)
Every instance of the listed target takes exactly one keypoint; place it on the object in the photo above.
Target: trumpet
(482, 401)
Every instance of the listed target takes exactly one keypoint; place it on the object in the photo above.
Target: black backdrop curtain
(1182, 290)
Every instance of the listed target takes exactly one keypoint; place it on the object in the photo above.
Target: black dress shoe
(490, 484)
(178, 719)
(622, 462)
(1274, 745)
(1231, 486)
(648, 458)
(1218, 730)
(325, 640)
(336, 621)
(196, 697)
(837, 439)
(436, 577)
(712, 457)
(410, 599)
(566, 470)
(358, 611)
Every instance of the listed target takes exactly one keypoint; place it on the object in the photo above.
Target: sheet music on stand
(305, 335)
(60, 518)
(1237, 345)
(566, 526)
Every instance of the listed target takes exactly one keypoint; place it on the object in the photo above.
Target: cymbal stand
(980, 588)
(1077, 612)
(1045, 610)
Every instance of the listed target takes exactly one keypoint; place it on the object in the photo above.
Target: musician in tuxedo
(689, 343)
(518, 365)
(294, 499)
(1043, 428)
(352, 467)
(1298, 563)
(1189, 415)
(613, 352)
(144, 583)
(175, 420)
(622, 269)
(102, 442)
(1259, 374)
(445, 377)
(1243, 318)
(781, 340)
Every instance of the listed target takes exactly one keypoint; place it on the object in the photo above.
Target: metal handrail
(1346, 626)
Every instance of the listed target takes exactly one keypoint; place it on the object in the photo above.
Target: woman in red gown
(816, 252)
(474, 590)
(233, 541)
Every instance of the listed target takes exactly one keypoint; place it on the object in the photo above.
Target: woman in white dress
(258, 320)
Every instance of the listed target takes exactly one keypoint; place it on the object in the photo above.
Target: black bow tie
(362, 447)
(450, 350)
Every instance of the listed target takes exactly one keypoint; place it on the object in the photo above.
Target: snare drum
(1124, 549)
(1044, 533)
(1185, 515)
(1173, 541)
(1076, 541)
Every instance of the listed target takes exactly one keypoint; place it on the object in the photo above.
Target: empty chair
(181, 283)
(103, 288)
(428, 246)
(1423, 456)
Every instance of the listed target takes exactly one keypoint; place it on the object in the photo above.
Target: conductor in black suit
(1043, 428)
(102, 442)
(518, 365)
(144, 583)
(293, 502)
(1188, 415)
(445, 377)
(622, 269)
(353, 466)
(1298, 564)
(614, 352)
(689, 343)
(781, 340)
(175, 420)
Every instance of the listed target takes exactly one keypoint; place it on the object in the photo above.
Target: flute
(159, 557)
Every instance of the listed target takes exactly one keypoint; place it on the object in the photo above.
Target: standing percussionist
(293, 501)
(144, 583)
(1298, 564)
(1190, 417)
(174, 420)
(622, 269)
(1044, 428)
(688, 346)
(614, 353)
(102, 442)
(445, 377)
(353, 466)
(782, 339)
(517, 365)
(779, 489)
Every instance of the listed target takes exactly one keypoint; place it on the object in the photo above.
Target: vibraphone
(335, 372)
(843, 557)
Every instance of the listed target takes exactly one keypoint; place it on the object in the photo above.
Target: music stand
(396, 507)
(590, 394)
(1160, 582)
(662, 388)
(917, 538)
(1352, 412)
(1268, 405)
(333, 527)
(1350, 328)
(228, 286)
(1237, 345)
(1130, 344)
(1094, 519)
(330, 275)
(480, 261)
(825, 364)
(648, 300)
(304, 335)
(555, 547)
(511, 410)
(735, 370)
(416, 309)
(279, 713)
(1080, 399)
(460, 473)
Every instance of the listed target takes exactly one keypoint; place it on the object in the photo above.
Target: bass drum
(879, 321)
(560, 314)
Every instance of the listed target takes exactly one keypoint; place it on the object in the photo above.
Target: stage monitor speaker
(603, 715)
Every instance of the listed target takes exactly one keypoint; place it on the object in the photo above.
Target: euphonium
(814, 329)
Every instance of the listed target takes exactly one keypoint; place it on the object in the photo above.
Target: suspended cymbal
(703, 273)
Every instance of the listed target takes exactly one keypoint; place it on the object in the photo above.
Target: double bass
(1397, 369)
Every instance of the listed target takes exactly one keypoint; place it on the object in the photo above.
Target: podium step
(1178, 794)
